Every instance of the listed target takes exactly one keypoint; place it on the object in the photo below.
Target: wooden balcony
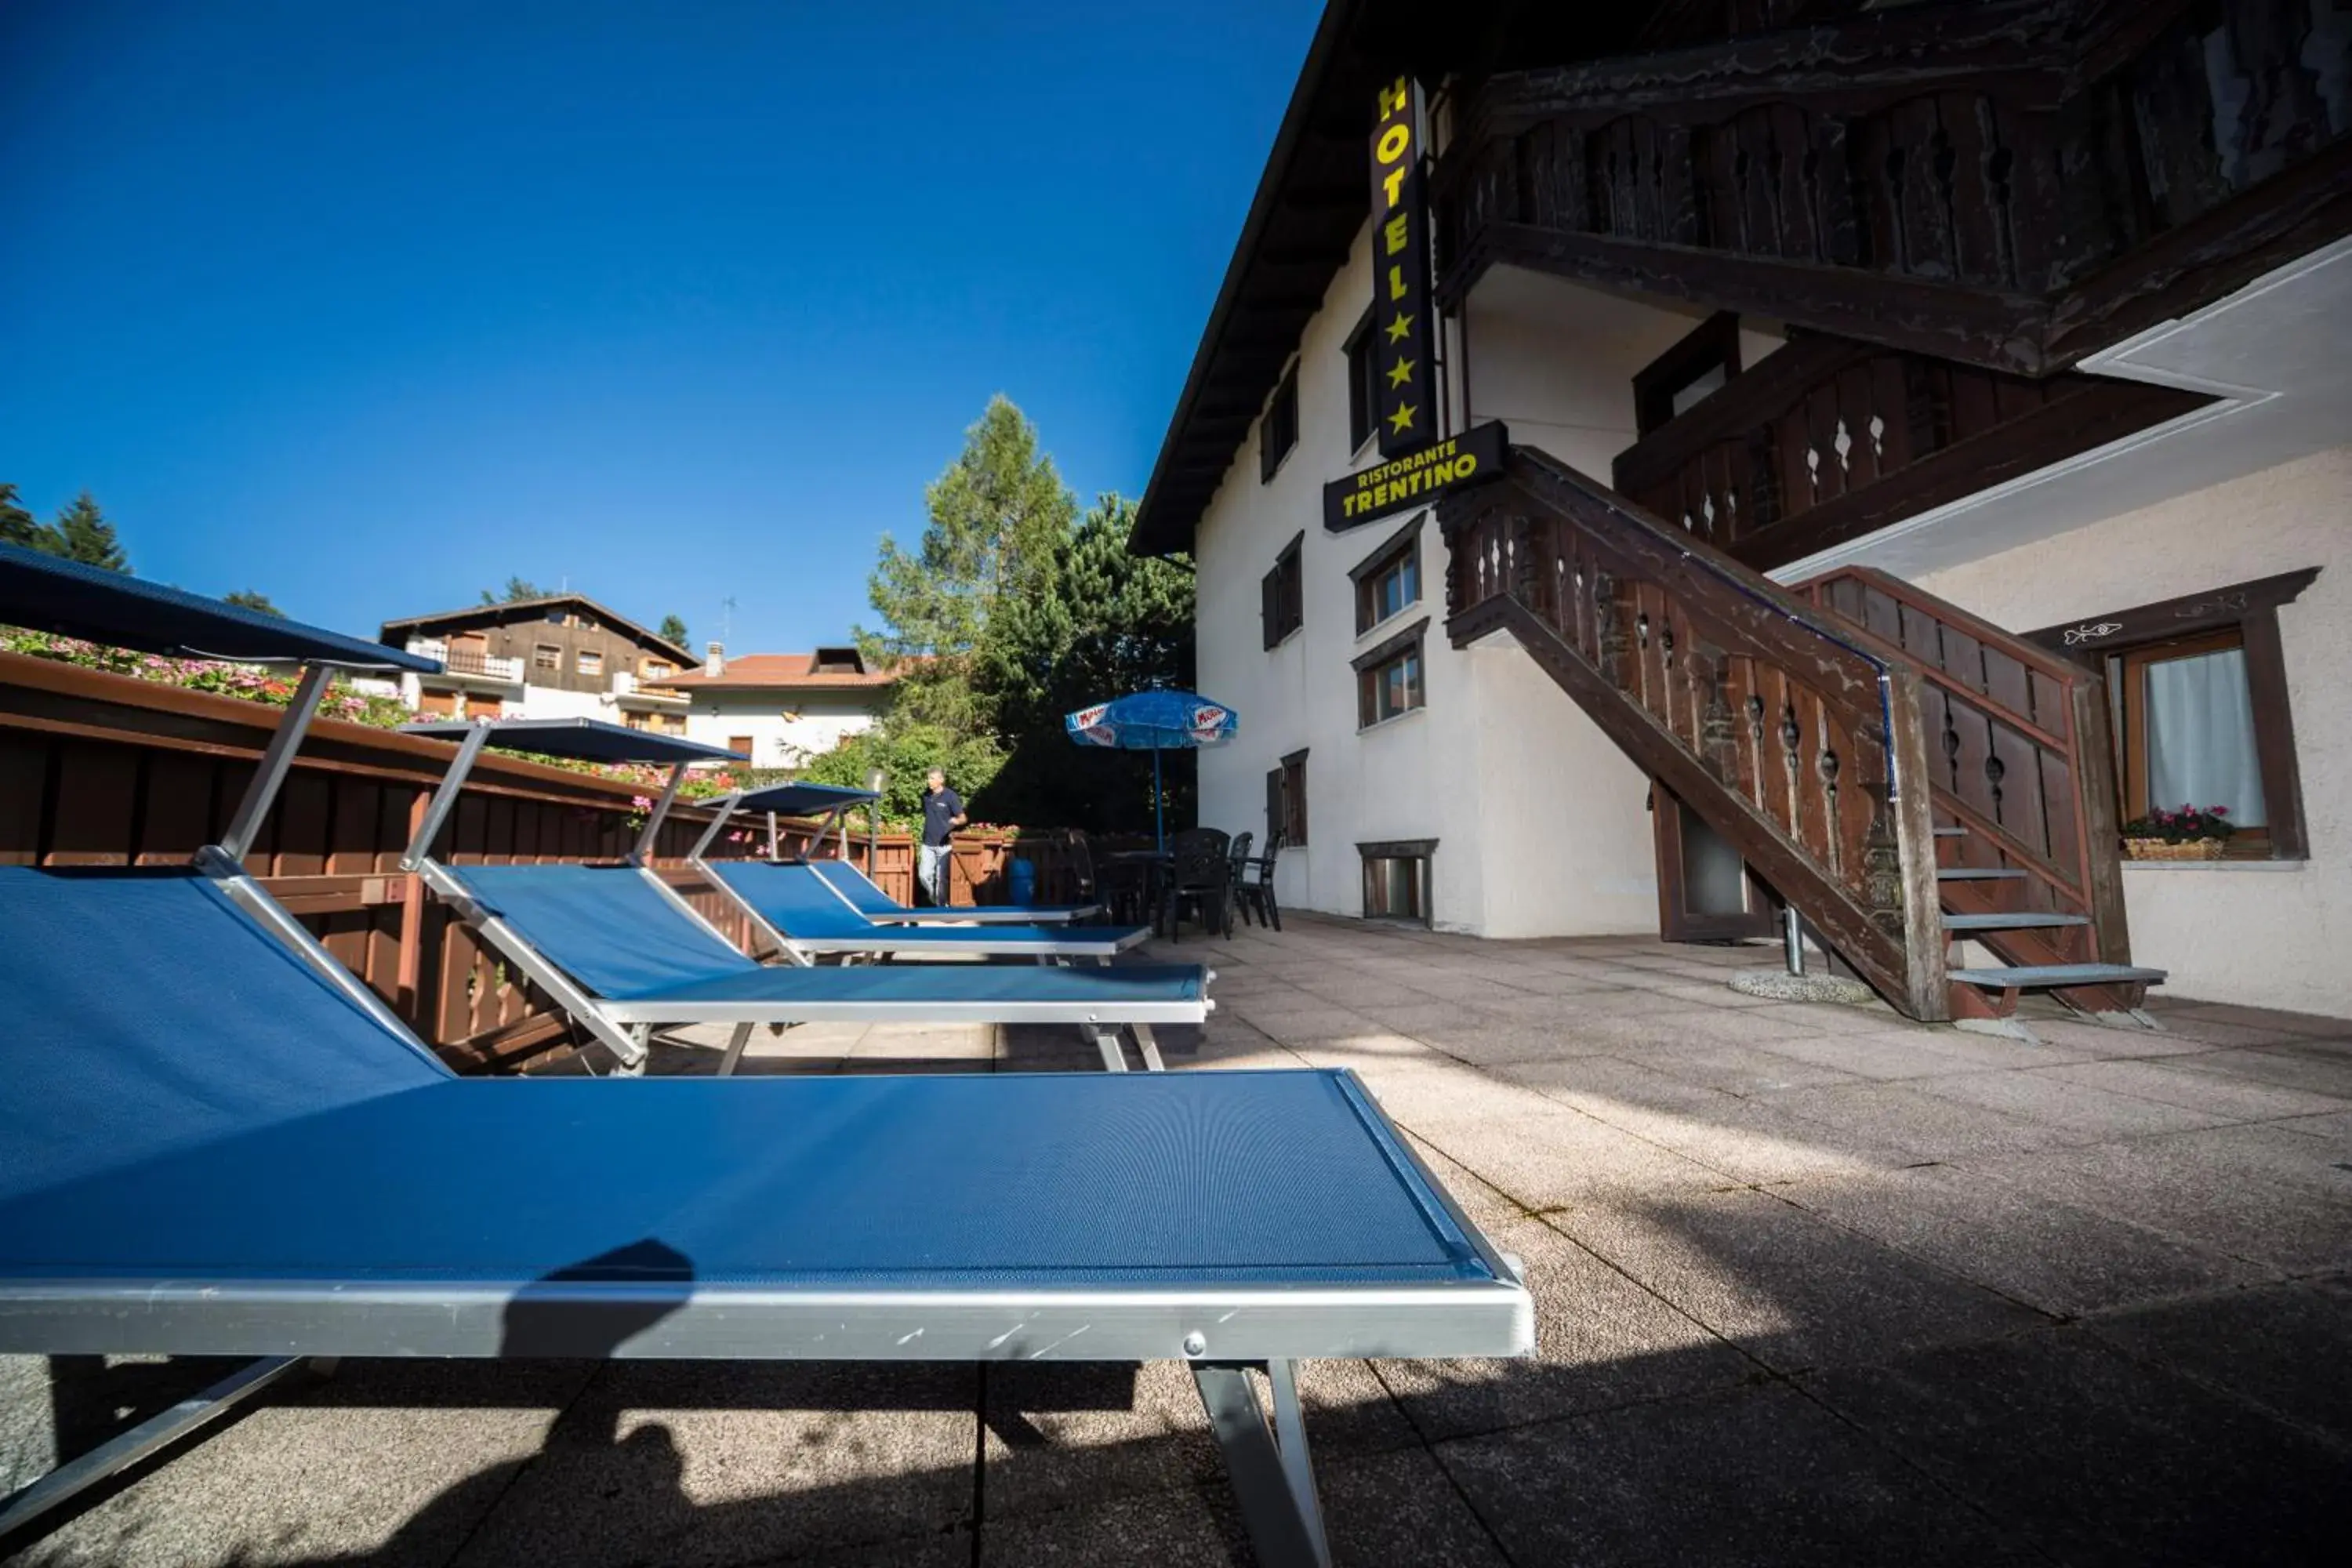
(2011, 185)
(1829, 440)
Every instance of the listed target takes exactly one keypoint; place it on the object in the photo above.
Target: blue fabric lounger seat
(801, 907)
(615, 933)
(858, 891)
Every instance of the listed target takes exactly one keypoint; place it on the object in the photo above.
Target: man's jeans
(931, 867)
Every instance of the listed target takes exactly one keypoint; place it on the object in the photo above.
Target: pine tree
(997, 515)
(17, 524)
(516, 588)
(250, 599)
(673, 630)
(83, 535)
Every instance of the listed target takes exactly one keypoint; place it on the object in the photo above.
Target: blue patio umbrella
(1154, 722)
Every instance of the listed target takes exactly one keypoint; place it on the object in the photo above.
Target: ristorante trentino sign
(1406, 390)
(1416, 479)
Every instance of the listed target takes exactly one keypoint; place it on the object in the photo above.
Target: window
(839, 661)
(2197, 693)
(1396, 879)
(437, 704)
(1388, 678)
(546, 655)
(1278, 427)
(1683, 375)
(1388, 581)
(2188, 732)
(555, 616)
(1283, 593)
(739, 744)
(1363, 392)
(1285, 799)
(591, 661)
(655, 668)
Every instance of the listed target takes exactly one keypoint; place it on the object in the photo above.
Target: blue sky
(368, 306)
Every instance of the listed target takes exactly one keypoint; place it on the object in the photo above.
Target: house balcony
(632, 698)
(469, 668)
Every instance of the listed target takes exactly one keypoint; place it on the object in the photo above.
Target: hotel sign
(1416, 478)
(1405, 389)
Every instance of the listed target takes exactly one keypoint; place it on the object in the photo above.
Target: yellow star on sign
(1400, 372)
(1403, 417)
(1398, 327)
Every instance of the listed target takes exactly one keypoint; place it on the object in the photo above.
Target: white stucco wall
(1540, 821)
(786, 727)
(2273, 934)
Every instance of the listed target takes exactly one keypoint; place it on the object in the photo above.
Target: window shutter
(1269, 609)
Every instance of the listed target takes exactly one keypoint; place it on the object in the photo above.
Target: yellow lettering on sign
(1441, 474)
(1395, 99)
(1391, 186)
(1395, 235)
(1466, 465)
(1392, 144)
(1396, 287)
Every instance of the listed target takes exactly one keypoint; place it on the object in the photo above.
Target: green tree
(82, 533)
(516, 588)
(903, 752)
(17, 524)
(252, 600)
(1113, 623)
(997, 515)
(673, 629)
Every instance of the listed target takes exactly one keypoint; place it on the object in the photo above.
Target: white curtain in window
(2201, 736)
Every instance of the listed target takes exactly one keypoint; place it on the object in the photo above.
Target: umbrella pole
(1158, 804)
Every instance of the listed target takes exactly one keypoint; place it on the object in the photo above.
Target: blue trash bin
(1021, 882)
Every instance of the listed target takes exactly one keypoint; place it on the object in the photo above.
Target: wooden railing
(1829, 440)
(2012, 184)
(1804, 748)
(2017, 754)
(103, 770)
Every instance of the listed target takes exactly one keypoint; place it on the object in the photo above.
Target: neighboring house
(2050, 325)
(563, 656)
(781, 709)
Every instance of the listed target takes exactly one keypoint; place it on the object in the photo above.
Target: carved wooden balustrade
(2012, 184)
(1828, 439)
(1804, 748)
(2019, 760)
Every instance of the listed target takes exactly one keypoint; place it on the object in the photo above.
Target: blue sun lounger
(829, 804)
(211, 1131)
(623, 953)
(207, 1149)
(796, 908)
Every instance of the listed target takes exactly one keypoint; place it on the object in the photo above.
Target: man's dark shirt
(939, 811)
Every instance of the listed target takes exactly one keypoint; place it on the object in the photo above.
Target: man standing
(943, 815)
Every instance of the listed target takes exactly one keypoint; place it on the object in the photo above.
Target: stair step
(2012, 919)
(1975, 873)
(1951, 833)
(2026, 976)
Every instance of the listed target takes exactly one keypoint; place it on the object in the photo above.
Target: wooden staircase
(1905, 776)
(2020, 780)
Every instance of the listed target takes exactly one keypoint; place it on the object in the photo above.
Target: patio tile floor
(1812, 1284)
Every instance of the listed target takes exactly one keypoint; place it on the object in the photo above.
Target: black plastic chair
(1199, 872)
(1234, 862)
(1254, 892)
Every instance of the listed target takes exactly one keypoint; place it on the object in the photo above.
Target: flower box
(2175, 850)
